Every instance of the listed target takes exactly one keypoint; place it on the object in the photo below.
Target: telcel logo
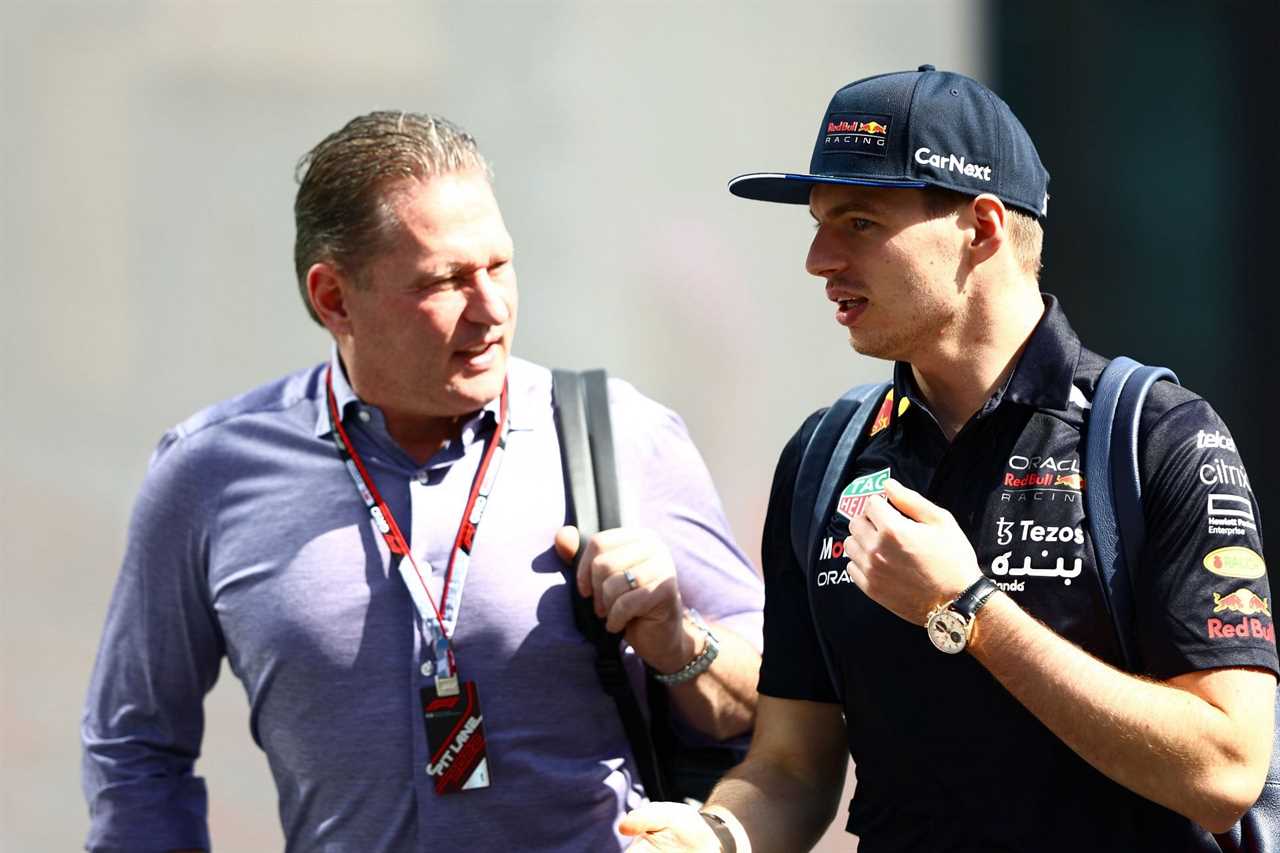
(1215, 440)
(951, 162)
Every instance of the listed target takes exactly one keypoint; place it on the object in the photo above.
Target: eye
(857, 223)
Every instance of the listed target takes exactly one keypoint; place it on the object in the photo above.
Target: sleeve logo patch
(1243, 601)
(853, 500)
(1234, 562)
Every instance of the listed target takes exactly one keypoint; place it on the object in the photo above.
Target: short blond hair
(1026, 236)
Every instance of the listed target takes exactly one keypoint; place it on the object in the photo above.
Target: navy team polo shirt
(946, 759)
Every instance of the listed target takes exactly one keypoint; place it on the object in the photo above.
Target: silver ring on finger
(630, 578)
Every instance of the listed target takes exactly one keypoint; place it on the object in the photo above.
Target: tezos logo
(952, 163)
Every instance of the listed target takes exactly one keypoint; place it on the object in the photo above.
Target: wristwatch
(950, 625)
(699, 664)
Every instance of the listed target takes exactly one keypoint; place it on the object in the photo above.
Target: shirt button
(364, 415)
(427, 668)
(423, 476)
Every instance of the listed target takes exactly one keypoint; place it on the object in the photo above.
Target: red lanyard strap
(444, 616)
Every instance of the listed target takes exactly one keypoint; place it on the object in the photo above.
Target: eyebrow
(855, 205)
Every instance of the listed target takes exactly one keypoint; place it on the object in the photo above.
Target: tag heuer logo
(853, 500)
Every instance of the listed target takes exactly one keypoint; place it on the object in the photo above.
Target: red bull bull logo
(1071, 481)
(882, 417)
(1243, 601)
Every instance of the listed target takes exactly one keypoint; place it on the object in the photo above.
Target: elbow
(1228, 796)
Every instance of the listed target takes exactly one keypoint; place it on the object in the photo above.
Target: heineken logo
(853, 500)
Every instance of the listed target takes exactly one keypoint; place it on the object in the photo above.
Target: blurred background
(147, 159)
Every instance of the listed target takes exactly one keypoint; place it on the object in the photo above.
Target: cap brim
(794, 189)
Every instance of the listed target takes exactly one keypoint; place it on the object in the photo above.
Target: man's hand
(908, 554)
(648, 610)
(669, 826)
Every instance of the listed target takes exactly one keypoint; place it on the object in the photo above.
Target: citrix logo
(951, 162)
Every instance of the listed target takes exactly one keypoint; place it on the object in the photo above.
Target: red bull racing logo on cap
(856, 133)
(853, 500)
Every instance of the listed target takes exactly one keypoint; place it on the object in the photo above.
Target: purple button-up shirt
(250, 540)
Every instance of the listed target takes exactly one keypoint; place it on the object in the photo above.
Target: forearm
(720, 702)
(780, 811)
(1165, 743)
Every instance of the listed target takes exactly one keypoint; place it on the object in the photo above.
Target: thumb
(567, 540)
(653, 817)
(910, 503)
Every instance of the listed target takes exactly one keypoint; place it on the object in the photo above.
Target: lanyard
(441, 619)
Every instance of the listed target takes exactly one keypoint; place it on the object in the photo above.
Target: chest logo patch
(1235, 562)
(882, 417)
(853, 500)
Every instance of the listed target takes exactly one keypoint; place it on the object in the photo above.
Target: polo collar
(1042, 378)
(1043, 375)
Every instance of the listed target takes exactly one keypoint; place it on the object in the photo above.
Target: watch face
(948, 631)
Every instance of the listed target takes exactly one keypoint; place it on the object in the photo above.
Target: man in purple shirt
(320, 531)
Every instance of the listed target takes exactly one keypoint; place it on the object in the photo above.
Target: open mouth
(480, 357)
(848, 310)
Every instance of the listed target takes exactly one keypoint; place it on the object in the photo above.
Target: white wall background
(146, 160)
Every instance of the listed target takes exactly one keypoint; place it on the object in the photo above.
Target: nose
(824, 259)
(486, 302)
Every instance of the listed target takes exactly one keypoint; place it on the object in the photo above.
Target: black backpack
(1114, 503)
(669, 768)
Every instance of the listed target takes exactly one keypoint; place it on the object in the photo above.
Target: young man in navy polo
(1016, 728)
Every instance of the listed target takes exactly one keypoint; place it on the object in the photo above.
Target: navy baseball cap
(916, 129)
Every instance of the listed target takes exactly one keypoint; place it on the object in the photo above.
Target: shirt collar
(474, 426)
(1042, 377)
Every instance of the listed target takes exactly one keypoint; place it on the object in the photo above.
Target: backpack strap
(828, 450)
(1113, 486)
(580, 402)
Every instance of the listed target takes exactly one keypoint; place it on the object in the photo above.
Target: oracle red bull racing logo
(853, 500)
(1042, 478)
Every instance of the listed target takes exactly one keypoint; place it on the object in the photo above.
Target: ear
(327, 288)
(988, 220)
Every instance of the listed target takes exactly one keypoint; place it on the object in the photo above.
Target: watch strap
(969, 602)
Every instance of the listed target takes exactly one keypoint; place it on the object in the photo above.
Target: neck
(957, 380)
(420, 437)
